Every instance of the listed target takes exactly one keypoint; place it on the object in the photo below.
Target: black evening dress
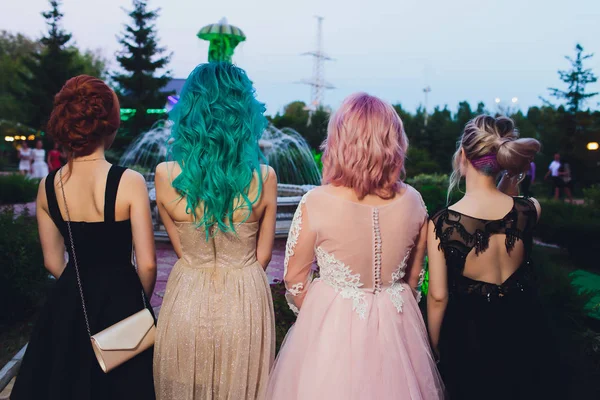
(495, 342)
(59, 363)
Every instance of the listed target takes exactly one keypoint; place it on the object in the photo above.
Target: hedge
(17, 188)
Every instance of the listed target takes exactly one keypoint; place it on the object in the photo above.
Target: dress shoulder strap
(51, 199)
(110, 195)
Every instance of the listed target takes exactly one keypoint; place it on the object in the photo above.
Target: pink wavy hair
(365, 147)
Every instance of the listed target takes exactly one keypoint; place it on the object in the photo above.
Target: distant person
(39, 168)
(25, 156)
(359, 333)
(101, 211)
(554, 174)
(485, 319)
(565, 175)
(216, 331)
(528, 181)
(54, 158)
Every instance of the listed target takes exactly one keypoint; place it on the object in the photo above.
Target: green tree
(14, 51)
(92, 63)
(295, 116)
(142, 61)
(576, 78)
(48, 69)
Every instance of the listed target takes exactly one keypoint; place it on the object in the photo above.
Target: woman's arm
(299, 257)
(142, 230)
(53, 244)
(437, 296)
(266, 232)
(164, 194)
(415, 265)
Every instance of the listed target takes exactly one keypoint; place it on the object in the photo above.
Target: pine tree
(48, 70)
(576, 78)
(141, 59)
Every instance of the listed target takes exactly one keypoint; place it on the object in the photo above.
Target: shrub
(284, 317)
(17, 188)
(433, 188)
(574, 227)
(592, 196)
(565, 305)
(22, 272)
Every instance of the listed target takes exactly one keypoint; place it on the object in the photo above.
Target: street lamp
(515, 99)
(593, 146)
(497, 100)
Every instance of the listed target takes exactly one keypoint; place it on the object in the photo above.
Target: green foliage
(565, 304)
(17, 188)
(574, 227)
(318, 159)
(592, 196)
(312, 127)
(24, 61)
(140, 59)
(91, 63)
(48, 69)
(14, 51)
(23, 276)
(433, 188)
(576, 78)
(418, 161)
(284, 317)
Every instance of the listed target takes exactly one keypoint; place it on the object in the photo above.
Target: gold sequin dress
(216, 332)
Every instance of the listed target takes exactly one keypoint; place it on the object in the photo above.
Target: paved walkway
(166, 258)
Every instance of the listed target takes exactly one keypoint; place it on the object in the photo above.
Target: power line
(317, 82)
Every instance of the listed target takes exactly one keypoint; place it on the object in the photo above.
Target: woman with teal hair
(216, 333)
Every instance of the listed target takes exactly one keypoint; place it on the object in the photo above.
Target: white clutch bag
(124, 340)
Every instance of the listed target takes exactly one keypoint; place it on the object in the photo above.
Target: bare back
(486, 250)
(172, 207)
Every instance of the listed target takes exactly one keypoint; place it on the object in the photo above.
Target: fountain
(285, 150)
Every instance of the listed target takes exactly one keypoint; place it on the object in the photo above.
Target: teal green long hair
(217, 124)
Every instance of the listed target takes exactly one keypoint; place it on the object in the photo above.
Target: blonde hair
(486, 136)
(365, 147)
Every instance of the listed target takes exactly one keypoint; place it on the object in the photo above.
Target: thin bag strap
(75, 263)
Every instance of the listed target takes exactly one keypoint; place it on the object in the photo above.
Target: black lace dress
(494, 341)
(59, 363)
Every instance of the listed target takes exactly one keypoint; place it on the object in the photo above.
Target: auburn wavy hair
(216, 127)
(365, 147)
(85, 113)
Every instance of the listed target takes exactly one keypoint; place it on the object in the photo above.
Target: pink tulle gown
(359, 332)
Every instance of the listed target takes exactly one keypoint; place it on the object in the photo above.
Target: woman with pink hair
(359, 332)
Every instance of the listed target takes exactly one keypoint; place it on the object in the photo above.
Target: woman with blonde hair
(484, 318)
(359, 332)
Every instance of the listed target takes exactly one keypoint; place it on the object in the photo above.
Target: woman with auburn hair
(96, 212)
(216, 331)
(359, 332)
(485, 320)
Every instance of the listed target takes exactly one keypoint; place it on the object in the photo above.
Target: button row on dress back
(377, 253)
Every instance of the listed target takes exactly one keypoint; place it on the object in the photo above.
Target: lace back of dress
(487, 250)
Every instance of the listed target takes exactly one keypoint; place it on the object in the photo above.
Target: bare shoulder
(268, 174)
(168, 170)
(42, 200)
(134, 178)
(269, 182)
